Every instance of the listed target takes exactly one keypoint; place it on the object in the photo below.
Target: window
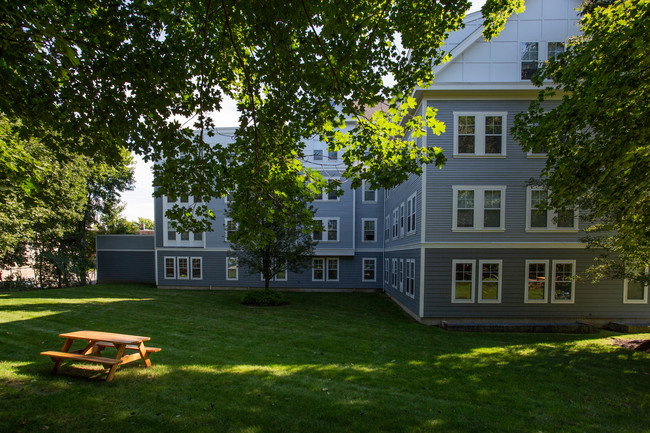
(329, 230)
(410, 214)
(331, 195)
(635, 292)
(183, 271)
(536, 281)
(529, 59)
(185, 236)
(184, 199)
(401, 219)
(479, 208)
(232, 269)
(318, 269)
(170, 268)
(280, 275)
(197, 268)
(230, 227)
(369, 195)
(369, 229)
(563, 281)
(171, 232)
(539, 218)
(228, 198)
(369, 269)
(462, 288)
(393, 281)
(198, 236)
(333, 155)
(332, 269)
(395, 223)
(318, 154)
(386, 271)
(410, 277)
(555, 49)
(401, 275)
(387, 229)
(480, 134)
(489, 285)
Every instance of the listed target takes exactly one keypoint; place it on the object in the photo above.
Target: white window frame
(325, 223)
(410, 277)
(167, 229)
(395, 226)
(479, 133)
(387, 271)
(393, 280)
(327, 268)
(400, 274)
(480, 281)
(573, 283)
(275, 277)
(626, 283)
(228, 258)
(313, 268)
(178, 267)
(363, 230)
(173, 267)
(365, 189)
(225, 228)
(402, 217)
(363, 269)
(200, 259)
(453, 282)
(411, 216)
(551, 217)
(546, 264)
(479, 208)
(521, 60)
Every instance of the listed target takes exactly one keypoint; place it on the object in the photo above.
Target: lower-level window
(410, 277)
(323, 269)
(563, 281)
(635, 292)
(281, 275)
(170, 267)
(401, 275)
(489, 285)
(197, 268)
(386, 271)
(318, 269)
(232, 269)
(332, 269)
(393, 281)
(369, 269)
(536, 281)
(462, 288)
(183, 268)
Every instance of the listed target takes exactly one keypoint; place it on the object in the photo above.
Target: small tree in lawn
(275, 239)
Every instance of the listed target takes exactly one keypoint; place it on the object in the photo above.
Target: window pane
(184, 199)
(493, 144)
(466, 144)
(318, 154)
(196, 268)
(538, 217)
(185, 236)
(232, 268)
(493, 125)
(198, 236)
(465, 218)
(369, 195)
(529, 51)
(182, 268)
(332, 269)
(318, 266)
(369, 230)
(463, 281)
(169, 268)
(555, 49)
(466, 134)
(333, 155)
(563, 281)
(466, 199)
(490, 281)
(536, 280)
(565, 218)
(635, 291)
(368, 269)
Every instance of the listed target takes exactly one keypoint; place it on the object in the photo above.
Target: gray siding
(125, 267)
(214, 273)
(601, 300)
(125, 242)
(511, 171)
(369, 210)
(413, 304)
(397, 197)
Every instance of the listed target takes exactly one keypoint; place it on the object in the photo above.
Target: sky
(139, 201)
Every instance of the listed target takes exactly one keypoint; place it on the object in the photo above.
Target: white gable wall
(499, 60)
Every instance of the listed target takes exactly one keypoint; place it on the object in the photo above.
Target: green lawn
(326, 363)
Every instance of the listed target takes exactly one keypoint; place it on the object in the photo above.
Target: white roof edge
(460, 48)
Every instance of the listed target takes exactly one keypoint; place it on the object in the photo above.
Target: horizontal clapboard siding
(601, 300)
(413, 304)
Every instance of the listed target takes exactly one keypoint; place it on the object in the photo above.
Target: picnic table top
(105, 336)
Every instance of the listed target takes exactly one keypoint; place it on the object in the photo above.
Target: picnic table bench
(98, 341)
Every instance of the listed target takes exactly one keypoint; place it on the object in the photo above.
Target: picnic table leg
(120, 352)
(144, 354)
(58, 361)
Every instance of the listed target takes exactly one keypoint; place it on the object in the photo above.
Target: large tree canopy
(598, 138)
(132, 71)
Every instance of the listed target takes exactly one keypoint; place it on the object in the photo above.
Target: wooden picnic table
(96, 342)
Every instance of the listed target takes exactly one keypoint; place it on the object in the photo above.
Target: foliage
(145, 223)
(113, 222)
(296, 69)
(264, 298)
(271, 237)
(598, 136)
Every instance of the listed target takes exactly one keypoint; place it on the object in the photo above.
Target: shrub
(263, 298)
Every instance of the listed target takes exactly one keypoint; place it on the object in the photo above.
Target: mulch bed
(640, 345)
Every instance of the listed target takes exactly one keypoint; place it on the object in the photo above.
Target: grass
(324, 363)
